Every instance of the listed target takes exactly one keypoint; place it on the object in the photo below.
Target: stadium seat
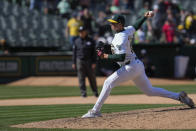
(30, 28)
(3, 22)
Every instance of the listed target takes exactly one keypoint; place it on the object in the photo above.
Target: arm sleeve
(139, 22)
(116, 57)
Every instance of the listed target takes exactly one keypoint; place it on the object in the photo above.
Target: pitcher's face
(116, 26)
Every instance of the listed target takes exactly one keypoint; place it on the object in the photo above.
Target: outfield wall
(22, 65)
(55, 64)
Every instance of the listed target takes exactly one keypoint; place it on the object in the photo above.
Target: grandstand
(30, 29)
(27, 30)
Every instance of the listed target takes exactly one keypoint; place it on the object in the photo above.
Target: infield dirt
(161, 118)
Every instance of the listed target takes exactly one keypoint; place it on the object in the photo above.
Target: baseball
(151, 13)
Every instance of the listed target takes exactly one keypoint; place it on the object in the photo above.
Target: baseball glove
(102, 48)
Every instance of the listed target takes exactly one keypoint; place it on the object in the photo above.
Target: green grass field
(13, 92)
(10, 115)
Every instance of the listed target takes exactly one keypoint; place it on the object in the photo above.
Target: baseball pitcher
(131, 67)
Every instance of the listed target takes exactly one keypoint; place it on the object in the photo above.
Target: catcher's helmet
(117, 19)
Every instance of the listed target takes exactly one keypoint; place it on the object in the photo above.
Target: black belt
(128, 62)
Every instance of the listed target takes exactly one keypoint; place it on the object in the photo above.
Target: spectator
(167, 4)
(74, 4)
(190, 26)
(50, 6)
(149, 34)
(149, 3)
(3, 47)
(181, 34)
(140, 36)
(73, 25)
(168, 30)
(87, 19)
(157, 23)
(183, 14)
(175, 9)
(149, 67)
(107, 10)
(144, 9)
(141, 13)
(85, 3)
(189, 20)
(64, 9)
(125, 7)
(35, 4)
(163, 5)
(171, 17)
(101, 23)
(114, 8)
(116, 2)
(130, 4)
(84, 59)
(186, 27)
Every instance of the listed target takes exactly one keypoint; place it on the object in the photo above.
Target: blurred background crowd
(54, 23)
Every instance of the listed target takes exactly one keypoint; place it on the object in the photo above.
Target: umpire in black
(84, 60)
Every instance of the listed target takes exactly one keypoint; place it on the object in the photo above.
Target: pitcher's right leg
(143, 83)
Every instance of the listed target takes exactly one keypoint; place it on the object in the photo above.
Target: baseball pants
(135, 72)
(84, 69)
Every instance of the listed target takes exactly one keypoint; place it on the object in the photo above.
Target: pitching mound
(159, 118)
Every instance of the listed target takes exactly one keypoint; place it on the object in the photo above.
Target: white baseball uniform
(134, 71)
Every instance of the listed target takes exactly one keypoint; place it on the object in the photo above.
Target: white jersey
(121, 44)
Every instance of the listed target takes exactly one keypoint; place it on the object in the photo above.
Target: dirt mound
(161, 118)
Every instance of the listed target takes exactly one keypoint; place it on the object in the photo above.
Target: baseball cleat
(183, 97)
(91, 114)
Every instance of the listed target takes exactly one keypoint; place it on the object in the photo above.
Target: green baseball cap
(117, 19)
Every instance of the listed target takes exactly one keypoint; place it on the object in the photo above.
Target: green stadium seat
(24, 28)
